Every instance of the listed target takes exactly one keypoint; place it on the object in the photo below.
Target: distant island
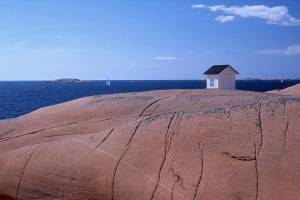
(249, 79)
(67, 80)
(277, 79)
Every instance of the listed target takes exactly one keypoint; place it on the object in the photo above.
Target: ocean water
(21, 97)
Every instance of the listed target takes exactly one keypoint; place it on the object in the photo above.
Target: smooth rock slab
(172, 144)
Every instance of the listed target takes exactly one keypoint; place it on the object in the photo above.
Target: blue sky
(133, 39)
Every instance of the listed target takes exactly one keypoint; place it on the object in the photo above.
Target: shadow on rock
(5, 197)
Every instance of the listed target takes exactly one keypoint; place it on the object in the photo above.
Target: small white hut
(221, 77)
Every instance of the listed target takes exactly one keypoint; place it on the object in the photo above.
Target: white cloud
(165, 58)
(198, 6)
(224, 18)
(273, 15)
(289, 51)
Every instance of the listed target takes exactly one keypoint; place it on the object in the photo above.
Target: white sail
(107, 82)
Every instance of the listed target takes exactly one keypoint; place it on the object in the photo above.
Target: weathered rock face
(176, 144)
(292, 91)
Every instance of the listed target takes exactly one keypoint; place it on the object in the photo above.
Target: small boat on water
(107, 83)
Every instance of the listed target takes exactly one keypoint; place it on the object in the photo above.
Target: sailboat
(107, 83)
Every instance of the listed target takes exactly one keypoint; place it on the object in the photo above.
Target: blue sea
(21, 97)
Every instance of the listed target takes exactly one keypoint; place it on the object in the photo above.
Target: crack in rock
(105, 138)
(259, 124)
(284, 107)
(164, 156)
(23, 171)
(257, 151)
(173, 132)
(61, 135)
(230, 125)
(287, 125)
(241, 158)
(122, 156)
(201, 171)
(178, 179)
(148, 106)
(84, 159)
(64, 125)
(40, 130)
(256, 172)
(184, 92)
(285, 131)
